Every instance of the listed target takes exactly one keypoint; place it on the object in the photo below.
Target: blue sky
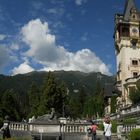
(58, 35)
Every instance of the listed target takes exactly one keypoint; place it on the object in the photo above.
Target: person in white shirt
(107, 128)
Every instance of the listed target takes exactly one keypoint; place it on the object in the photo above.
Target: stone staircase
(100, 136)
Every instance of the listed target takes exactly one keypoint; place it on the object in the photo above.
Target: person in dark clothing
(5, 130)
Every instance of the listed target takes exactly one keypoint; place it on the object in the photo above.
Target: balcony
(131, 80)
(130, 111)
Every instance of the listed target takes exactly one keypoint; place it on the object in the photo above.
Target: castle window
(135, 62)
(134, 45)
(134, 16)
(135, 74)
(125, 31)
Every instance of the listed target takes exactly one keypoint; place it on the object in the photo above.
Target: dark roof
(128, 6)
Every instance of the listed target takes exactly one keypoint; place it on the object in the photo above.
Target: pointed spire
(129, 5)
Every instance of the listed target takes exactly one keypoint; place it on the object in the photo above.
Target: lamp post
(40, 131)
(60, 137)
(63, 122)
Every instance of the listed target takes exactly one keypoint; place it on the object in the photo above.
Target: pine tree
(34, 100)
(74, 106)
(82, 99)
(61, 99)
(54, 96)
(89, 107)
(9, 105)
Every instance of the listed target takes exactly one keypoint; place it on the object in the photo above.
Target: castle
(127, 50)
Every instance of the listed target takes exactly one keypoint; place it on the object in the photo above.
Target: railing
(50, 128)
(75, 128)
(130, 111)
(123, 130)
(19, 126)
(127, 111)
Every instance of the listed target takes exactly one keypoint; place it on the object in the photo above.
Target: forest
(53, 92)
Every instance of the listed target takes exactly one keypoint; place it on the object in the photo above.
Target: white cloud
(22, 68)
(80, 2)
(83, 60)
(43, 49)
(2, 37)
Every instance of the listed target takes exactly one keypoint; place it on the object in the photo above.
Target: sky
(48, 35)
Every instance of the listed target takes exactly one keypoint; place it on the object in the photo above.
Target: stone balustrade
(131, 110)
(75, 128)
(123, 130)
(128, 111)
(19, 126)
(47, 128)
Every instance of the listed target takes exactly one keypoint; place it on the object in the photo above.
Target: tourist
(93, 130)
(107, 128)
(5, 130)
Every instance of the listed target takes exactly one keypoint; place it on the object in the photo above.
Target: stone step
(100, 136)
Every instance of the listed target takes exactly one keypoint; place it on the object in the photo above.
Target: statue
(52, 113)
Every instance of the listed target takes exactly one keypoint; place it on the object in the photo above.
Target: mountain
(74, 80)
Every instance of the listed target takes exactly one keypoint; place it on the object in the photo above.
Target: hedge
(134, 134)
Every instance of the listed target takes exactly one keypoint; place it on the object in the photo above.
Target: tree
(94, 106)
(9, 106)
(1, 112)
(48, 91)
(99, 99)
(135, 95)
(74, 106)
(61, 99)
(90, 107)
(100, 104)
(113, 103)
(98, 88)
(82, 99)
(34, 100)
(54, 95)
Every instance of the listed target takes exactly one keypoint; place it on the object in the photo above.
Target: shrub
(100, 126)
(114, 126)
(1, 122)
(17, 138)
(134, 134)
(129, 121)
(135, 95)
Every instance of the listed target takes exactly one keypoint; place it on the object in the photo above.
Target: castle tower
(127, 48)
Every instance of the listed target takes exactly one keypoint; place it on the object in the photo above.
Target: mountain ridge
(20, 83)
